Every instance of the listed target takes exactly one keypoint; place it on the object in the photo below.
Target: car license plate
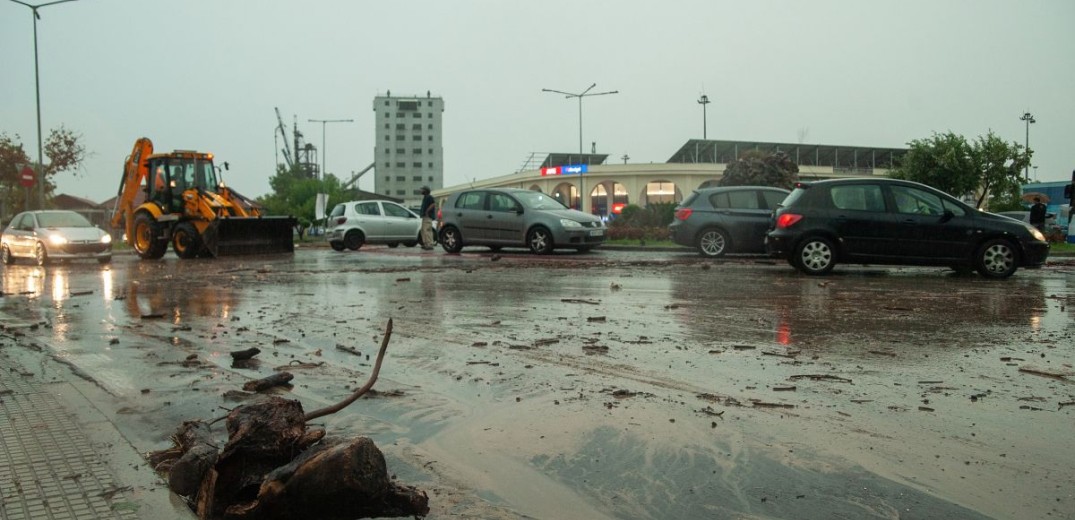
(597, 232)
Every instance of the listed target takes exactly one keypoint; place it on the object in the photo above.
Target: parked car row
(860, 221)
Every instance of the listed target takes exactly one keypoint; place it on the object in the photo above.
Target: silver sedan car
(54, 235)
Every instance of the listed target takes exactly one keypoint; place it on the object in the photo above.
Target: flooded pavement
(605, 385)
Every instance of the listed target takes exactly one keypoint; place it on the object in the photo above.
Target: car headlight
(57, 240)
(1035, 233)
(106, 239)
(568, 223)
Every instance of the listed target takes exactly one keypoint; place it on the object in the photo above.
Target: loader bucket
(250, 236)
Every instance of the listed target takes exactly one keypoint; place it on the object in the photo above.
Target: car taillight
(787, 220)
(341, 220)
(683, 213)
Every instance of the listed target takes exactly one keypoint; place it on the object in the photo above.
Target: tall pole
(37, 93)
(580, 95)
(704, 100)
(324, 152)
(1029, 118)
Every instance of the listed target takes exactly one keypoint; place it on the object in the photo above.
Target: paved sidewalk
(60, 458)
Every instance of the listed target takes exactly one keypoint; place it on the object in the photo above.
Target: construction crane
(355, 177)
(283, 134)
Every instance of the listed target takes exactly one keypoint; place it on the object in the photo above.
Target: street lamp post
(324, 152)
(1029, 118)
(704, 100)
(580, 95)
(37, 89)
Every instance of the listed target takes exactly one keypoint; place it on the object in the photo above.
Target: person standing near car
(429, 208)
(1037, 214)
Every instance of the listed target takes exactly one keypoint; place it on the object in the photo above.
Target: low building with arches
(583, 182)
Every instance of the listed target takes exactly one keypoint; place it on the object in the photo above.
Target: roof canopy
(707, 151)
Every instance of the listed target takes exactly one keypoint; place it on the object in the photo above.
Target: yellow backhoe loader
(187, 205)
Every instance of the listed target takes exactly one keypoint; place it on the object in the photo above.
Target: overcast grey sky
(206, 74)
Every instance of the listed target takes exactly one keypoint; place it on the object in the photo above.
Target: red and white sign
(27, 177)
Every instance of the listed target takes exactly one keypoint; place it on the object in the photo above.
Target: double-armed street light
(37, 88)
(704, 100)
(580, 95)
(323, 151)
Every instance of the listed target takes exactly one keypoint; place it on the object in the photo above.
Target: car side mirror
(948, 215)
(518, 210)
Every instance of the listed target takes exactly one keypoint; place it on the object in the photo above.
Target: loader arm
(135, 170)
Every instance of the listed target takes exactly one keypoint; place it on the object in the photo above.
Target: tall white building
(409, 152)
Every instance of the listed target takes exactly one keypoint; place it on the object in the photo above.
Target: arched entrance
(567, 194)
(661, 192)
(608, 198)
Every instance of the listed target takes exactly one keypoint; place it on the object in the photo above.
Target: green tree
(295, 193)
(986, 168)
(757, 168)
(63, 151)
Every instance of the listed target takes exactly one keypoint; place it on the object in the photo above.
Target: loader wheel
(146, 241)
(186, 242)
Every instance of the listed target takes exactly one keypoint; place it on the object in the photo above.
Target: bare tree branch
(361, 391)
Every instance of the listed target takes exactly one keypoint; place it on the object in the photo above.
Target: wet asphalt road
(612, 384)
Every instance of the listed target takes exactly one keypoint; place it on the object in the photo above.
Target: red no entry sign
(26, 177)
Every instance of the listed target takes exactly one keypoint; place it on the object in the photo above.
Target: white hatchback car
(352, 224)
(54, 235)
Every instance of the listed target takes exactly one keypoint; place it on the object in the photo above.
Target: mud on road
(607, 385)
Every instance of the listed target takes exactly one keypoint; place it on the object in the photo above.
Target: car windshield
(62, 219)
(538, 200)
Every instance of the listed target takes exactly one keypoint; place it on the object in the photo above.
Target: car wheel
(6, 254)
(146, 240)
(996, 259)
(713, 243)
(337, 246)
(186, 242)
(451, 240)
(353, 239)
(104, 260)
(540, 241)
(393, 244)
(815, 256)
(41, 256)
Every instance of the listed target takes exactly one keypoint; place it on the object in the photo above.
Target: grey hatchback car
(504, 217)
(733, 219)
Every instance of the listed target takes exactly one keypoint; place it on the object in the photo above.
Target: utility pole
(323, 151)
(1029, 118)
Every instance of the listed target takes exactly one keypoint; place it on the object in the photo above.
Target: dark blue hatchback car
(896, 222)
(717, 221)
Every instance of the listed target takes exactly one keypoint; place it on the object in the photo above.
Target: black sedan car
(895, 222)
(716, 221)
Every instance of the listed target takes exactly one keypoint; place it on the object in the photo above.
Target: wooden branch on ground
(240, 355)
(265, 383)
(365, 388)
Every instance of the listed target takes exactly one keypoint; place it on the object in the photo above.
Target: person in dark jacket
(1037, 214)
(429, 212)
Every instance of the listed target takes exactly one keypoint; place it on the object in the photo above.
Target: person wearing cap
(429, 208)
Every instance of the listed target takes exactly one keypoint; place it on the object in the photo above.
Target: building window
(417, 151)
(400, 114)
(386, 114)
(430, 115)
(386, 126)
(387, 177)
(429, 103)
(401, 165)
(387, 138)
(400, 150)
(417, 127)
(386, 102)
(430, 177)
(417, 178)
(431, 165)
(386, 165)
(416, 138)
(387, 192)
(400, 137)
(401, 192)
(387, 150)
(400, 178)
(399, 126)
(417, 115)
(430, 151)
(430, 138)
(430, 126)
(417, 165)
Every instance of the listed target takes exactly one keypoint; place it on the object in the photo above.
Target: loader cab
(172, 174)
